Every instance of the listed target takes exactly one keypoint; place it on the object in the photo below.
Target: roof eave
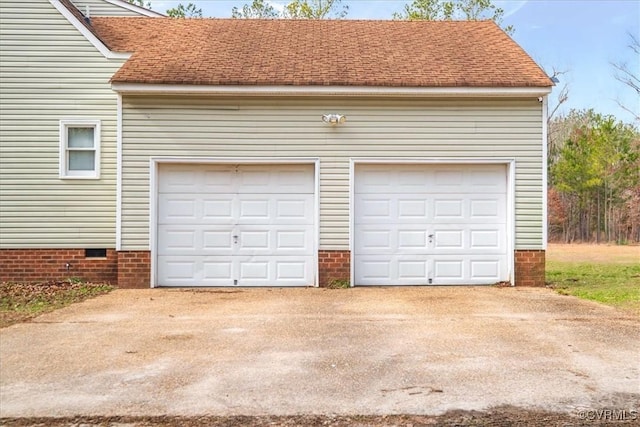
(249, 90)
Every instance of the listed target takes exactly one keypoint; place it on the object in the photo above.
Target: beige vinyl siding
(102, 8)
(426, 129)
(49, 72)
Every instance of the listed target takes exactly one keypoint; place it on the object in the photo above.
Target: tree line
(594, 169)
(594, 179)
(431, 10)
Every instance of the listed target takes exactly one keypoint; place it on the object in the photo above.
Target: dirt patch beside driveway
(318, 351)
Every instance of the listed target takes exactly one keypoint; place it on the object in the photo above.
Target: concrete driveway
(319, 351)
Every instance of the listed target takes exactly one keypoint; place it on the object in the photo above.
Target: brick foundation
(530, 267)
(38, 265)
(134, 269)
(334, 265)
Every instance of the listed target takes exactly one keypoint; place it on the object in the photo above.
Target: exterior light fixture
(334, 119)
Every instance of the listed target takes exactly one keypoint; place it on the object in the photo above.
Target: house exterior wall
(49, 72)
(381, 129)
(103, 8)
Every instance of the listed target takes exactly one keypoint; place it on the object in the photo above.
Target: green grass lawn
(612, 284)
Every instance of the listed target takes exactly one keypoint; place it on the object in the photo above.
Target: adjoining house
(151, 151)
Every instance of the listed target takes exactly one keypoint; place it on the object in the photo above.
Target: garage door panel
(293, 240)
(217, 179)
(406, 179)
(218, 210)
(195, 239)
(386, 207)
(178, 240)
(485, 269)
(263, 240)
(187, 178)
(174, 208)
(388, 238)
(177, 269)
(373, 208)
(414, 223)
(254, 209)
(412, 209)
(265, 210)
(235, 225)
(374, 180)
(260, 179)
(275, 271)
(448, 209)
(469, 238)
(489, 179)
(371, 239)
(469, 208)
(398, 269)
(416, 269)
(487, 239)
(178, 179)
(449, 239)
(372, 270)
(470, 269)
(448, 270)
(195, 271)
(193, 208)
(409, 240)
(489, 208)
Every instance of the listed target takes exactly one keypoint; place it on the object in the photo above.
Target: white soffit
(247, 90)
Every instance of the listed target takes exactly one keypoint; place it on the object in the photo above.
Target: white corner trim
(545, 178)
(511, 220)
(96, 42)
(153, 219)
(249, 90)
(141, 10)
(316, 218)
(119, 173)
(352, 195)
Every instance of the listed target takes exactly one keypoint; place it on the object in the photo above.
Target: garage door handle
(430, 238)
(235, 239)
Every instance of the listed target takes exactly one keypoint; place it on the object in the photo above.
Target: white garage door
(428, 224)
(243, 225)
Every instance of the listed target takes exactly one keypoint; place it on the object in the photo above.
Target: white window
(80, 149)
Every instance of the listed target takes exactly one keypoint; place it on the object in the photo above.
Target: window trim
(65, 124)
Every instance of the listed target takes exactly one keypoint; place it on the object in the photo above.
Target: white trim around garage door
(154, 163)
(510, 163)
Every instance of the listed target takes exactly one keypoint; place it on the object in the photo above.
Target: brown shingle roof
(318, 52)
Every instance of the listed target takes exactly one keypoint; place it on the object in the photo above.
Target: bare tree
(563, 95)
(628, 76)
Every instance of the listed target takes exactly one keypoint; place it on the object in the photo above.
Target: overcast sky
(580, 37)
